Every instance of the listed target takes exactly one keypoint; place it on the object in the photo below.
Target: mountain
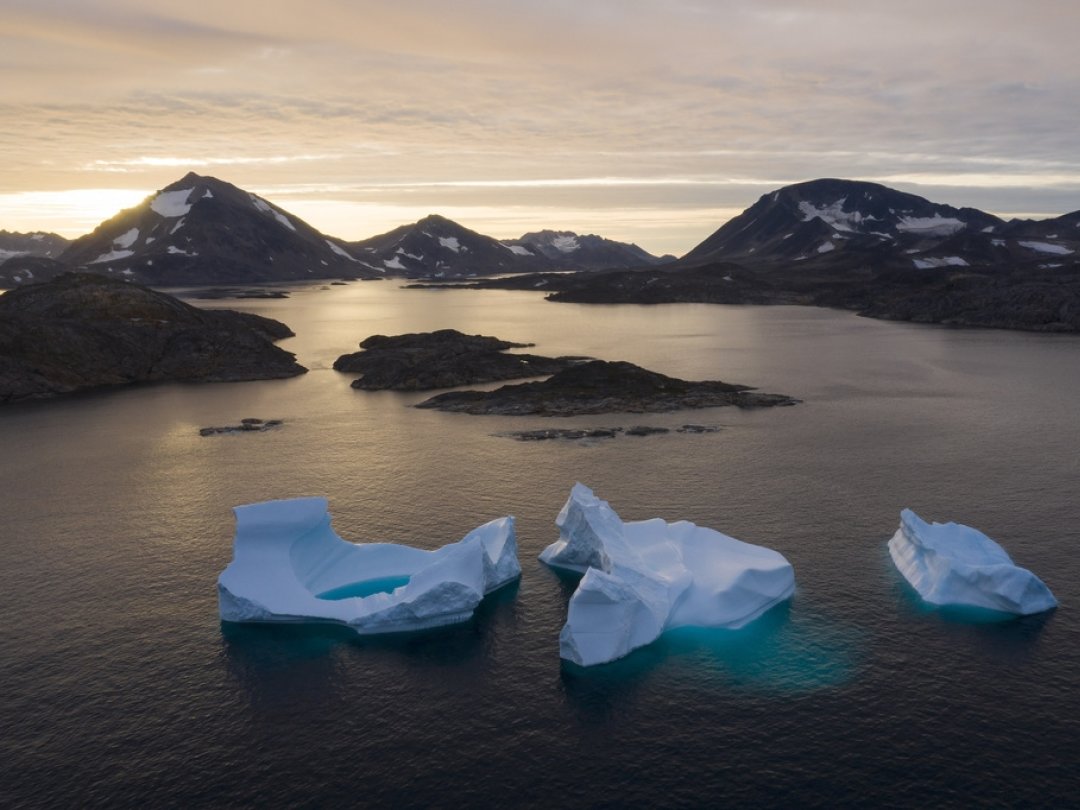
(201, 230)
(436, 247)
(845, 221)
(37, 243)
(867, 248)
(29, 270)
(571, 251)
(83, 331)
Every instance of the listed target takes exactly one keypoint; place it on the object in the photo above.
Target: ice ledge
(290, 566)
(645, 577)
(953, 564)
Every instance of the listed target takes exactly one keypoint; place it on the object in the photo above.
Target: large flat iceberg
(953, 564)
(290, 566)
(645, 577)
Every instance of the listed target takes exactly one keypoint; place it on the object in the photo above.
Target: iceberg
(290, 566)
(645, 577)
(953, 564)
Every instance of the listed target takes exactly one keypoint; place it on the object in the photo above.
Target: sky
(651, 121)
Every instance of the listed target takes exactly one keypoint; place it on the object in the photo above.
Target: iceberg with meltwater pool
(953, 564)
(645, 577)
(290, 566)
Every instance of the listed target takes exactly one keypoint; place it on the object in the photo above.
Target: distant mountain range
(867, 248)
(830, 242)
(38, 243)
(201, 230)
(436, 247)
(566, 250)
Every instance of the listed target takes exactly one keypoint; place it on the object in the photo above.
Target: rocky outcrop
(443, 359)
(600, 386)
(249, 425)
(82, 331)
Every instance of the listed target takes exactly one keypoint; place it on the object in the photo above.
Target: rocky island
(443, 359)
(600, 386)
(81, 331)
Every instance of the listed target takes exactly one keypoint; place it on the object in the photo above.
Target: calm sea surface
(120, 687)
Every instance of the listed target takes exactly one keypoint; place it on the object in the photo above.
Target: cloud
(606, 102)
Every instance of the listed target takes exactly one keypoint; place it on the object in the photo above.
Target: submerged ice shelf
(645, 577)
(953, 564)
(290, 566)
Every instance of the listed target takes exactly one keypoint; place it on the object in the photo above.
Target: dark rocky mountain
(600, 386)
(37, 243)
(436, 247)
(864, 247)
(83, 331)
(850, 222)
(29, 270)
(442, 359)
(570, 251)
(201, 230)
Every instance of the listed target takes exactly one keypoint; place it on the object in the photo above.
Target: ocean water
(119, 686)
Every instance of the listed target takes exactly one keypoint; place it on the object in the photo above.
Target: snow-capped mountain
(845, 222)
(37, 243)
(201, 230)
(436, 247)
(570, 251)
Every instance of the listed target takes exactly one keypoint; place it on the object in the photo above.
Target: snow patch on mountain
(171, 204)
(394, 263)
(1046, 247)
(565, 243)
(112, 256)
(265, 207)
(826, 247)
(127, 239)
(834, 215)
(945, 261)
(519, 250)
(450, 242)
(11, 254)
(339, 251)
(936, 225)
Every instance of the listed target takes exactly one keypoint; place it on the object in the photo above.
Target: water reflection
(276, 663)
(995, 633)
(785, 651)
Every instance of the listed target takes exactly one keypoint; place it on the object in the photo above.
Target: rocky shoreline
(600, 386)
(445, 358)
(81, 331)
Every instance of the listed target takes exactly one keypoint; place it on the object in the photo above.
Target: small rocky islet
(576, 434)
